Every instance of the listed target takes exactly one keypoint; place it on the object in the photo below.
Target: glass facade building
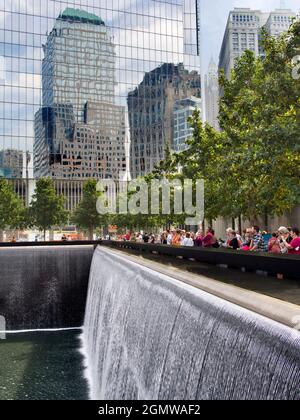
(88, 88)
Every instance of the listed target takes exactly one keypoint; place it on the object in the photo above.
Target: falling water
(148, 336)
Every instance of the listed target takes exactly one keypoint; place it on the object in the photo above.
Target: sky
(214, 15)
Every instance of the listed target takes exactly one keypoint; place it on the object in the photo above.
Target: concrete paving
(285, 290)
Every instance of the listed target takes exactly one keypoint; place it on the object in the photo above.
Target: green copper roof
(78, 15)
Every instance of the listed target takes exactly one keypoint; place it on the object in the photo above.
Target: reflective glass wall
(90, 88)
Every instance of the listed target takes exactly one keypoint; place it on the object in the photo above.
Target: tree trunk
(266, 220)
(1, 235)
(240, 225)
(91, 234)
(254, 221)
(45, 235)
(233, 223)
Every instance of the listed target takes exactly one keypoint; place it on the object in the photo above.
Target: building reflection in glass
(89, 90)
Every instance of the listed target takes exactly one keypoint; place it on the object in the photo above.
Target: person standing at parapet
(169, 237)
(284, 238)
(199, 239)
(257, 243)
(183, 236)
(176, 241)
(274, 244)
(146, 238)
(228, 237)
(233, 240)
(210, 241)
(294, 246)
(163, 238)
(188, 241)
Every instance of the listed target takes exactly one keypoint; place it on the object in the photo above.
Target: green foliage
(252, 167)
(202, 160)
(12, 210)
(259, 114)
(169, 170)
(86, 215)
(47, 208)
(148, 222)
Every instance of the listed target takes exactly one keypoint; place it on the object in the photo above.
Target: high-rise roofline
(78, 15)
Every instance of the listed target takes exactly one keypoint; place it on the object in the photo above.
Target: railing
(288, 265)
(50, 243)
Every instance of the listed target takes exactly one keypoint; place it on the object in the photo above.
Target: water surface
(42, 366)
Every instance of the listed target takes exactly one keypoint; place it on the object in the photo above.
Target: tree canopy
(251, 167)
(86, 215)
(47, 208)
(12, 209)
(260, 116)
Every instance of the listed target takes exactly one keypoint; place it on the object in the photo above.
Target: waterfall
(148, 336)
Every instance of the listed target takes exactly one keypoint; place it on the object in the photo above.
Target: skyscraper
(279, 21)
(212, 95)
(79, 63)
(151, 113)
(183, 109)
(79, 132)
(11, 163)
(243, 32)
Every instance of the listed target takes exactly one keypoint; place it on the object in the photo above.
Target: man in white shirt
(188, 241)
(169, 237)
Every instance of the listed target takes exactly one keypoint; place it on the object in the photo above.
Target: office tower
(11, 163)
(97, 149)
(79, 62)
(151, 113)
(79, 131)
(243, 32)
(183, 109)
(212, 95)
(279, 21)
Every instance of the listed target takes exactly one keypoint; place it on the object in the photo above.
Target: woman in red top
(210, 241)
(294, 246)
(274, 244)
(199, 239)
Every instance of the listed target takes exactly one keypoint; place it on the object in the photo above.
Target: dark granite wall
(44, 287)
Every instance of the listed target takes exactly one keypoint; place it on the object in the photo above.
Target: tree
(251, 168)
(202, 161)
(47, 208)
(168, 170)
(260, 116)
(86, 215)
(12, 210)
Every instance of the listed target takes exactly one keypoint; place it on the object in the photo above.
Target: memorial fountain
(146, 335)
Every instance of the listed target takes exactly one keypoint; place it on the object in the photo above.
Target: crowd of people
(284, 241)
